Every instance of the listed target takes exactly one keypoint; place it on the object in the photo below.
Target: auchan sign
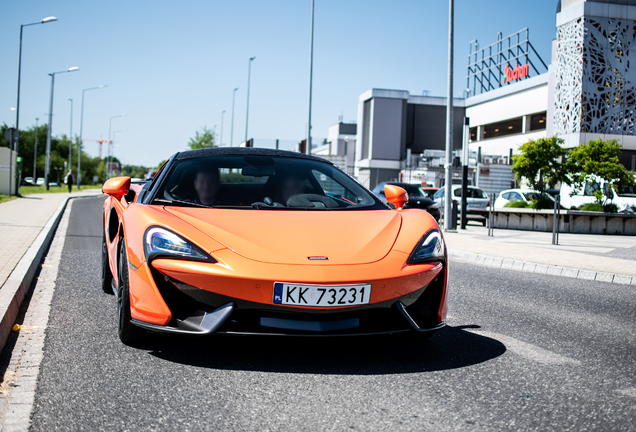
(516, 73)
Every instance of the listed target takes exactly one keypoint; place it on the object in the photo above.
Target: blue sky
(171, 66)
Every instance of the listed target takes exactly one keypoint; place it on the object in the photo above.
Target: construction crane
(100, 141)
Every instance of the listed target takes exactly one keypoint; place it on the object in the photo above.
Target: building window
(537, 121)
(508, 127)
(473, 134)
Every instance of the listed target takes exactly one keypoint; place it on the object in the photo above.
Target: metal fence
(487, 66)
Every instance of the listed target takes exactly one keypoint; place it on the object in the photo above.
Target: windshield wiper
(185, 203)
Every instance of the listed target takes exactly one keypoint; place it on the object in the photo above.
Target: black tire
(129, 333)
(107, 275)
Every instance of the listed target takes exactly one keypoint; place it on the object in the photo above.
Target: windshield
(262, 182)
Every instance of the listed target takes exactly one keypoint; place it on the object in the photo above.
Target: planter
(571, 221)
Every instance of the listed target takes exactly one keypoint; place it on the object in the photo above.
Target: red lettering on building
(516, 73)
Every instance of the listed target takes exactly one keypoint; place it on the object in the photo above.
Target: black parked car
(417, 197)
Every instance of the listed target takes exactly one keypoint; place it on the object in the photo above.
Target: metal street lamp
(112, 144)
(35, 153)
(247, 111)
(79, 151)
(222, 114)
(50, 127)
(110, 125)
(311, 74)
(232, 127)
(448, 196)
(70, 139)
(17, 108)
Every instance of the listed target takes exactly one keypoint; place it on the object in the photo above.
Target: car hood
(291, 236)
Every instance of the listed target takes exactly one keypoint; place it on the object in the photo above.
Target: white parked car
(585, 195)
(40, 181)
(526, 195)
(625, 197)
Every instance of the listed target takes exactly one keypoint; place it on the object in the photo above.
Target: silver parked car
(477, 202)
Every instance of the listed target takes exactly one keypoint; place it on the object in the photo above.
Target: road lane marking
(628, 392)
(28, 352)
(527, 350)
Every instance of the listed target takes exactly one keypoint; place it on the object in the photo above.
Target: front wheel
(129, 333)
(107, 275)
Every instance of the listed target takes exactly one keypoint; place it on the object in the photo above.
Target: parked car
(476, 200)
(525, 195)
(429, 191)
(27, 181)
(624, 197)
(40, 181)
(417, 197)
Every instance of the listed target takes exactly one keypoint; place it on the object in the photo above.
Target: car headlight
(161, 242)
(431, 247)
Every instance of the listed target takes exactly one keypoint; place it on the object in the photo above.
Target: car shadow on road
(449, 348)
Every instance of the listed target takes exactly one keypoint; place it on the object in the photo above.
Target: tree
(541, 163)
(205, 139)
(594, 161)
(59, 154)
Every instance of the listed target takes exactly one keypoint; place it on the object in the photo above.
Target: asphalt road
(522, 352)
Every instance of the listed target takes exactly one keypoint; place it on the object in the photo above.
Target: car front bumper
(411, 302)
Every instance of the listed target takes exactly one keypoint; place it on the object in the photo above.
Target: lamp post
(110, 124)
(79, 151)
(35, 153)
(232, 127)
(222, 114)
(448, 195)
(47, 165)
(70, 139)
(247, 110)
(112, 144)
(311, 72)
(17, 108)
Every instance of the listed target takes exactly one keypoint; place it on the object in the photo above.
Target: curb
(19, 282)
(508, 264)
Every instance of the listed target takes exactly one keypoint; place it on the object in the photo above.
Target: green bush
(592, 207)
(542, 204)
(516, 204)
(596, 207)
(610, 208)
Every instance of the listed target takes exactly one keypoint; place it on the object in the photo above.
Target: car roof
(245, 151)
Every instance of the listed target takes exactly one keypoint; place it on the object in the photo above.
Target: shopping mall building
(585, 91)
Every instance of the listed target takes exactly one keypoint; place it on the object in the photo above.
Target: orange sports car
(257, 241)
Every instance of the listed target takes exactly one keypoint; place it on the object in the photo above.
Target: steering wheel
(267, 202)
(308, 200)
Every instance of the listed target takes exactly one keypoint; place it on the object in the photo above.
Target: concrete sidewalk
(22, 220)
(593, 256)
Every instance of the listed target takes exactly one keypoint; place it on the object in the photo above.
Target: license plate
(321, 296)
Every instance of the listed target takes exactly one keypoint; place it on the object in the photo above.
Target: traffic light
(302, 146)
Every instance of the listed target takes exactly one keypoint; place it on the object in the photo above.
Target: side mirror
(396, 196)
(117, 187)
